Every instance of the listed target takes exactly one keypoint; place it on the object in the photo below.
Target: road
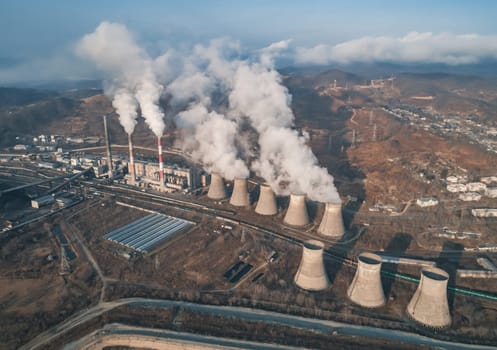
(248, 315)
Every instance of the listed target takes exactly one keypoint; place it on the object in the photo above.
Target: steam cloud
(414, 47)
(215, 94)
(112, 48)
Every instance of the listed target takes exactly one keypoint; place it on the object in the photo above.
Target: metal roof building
(148, 232)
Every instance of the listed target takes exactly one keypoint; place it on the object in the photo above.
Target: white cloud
(414, 47)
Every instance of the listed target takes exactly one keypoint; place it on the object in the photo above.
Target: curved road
(249, 315)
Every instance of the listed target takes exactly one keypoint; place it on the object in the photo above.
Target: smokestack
(429, 305)
(267, 201)
(216, 188)
(161, 163)
(107, 147)
(332, 222)
(311, 274)
(296, 215)
(366, 289)
(240, 196)
(131, 165)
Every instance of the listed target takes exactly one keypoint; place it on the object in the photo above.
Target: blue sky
(33, 29)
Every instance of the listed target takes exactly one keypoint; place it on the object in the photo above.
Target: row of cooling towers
(296, 215)
(428, 306)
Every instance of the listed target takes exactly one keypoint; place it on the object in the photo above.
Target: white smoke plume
(113, 49)
(414, 47)
(286, 162)
(126, 105)
(210, 139)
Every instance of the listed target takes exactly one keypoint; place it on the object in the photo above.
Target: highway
(248, 315)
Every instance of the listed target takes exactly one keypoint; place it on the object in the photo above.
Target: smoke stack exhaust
(216, 188)
(240, 196)
(297, 215)
(311, 274)
(131, 166)
(332, 222)
(366, 289)
(266, 205)
(107, 147)
(161, 163)
(429, 305)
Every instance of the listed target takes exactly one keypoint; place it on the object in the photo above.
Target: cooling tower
(266, 205)
(429, 305)
(296, 215)
(161, 162)
(240, 196)
(107, 147)
(131, 166)
(216, 188)
(332, 222)
(311, 274)
(366, 289)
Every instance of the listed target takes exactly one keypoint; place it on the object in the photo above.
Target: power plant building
(240, 196)
(296, 214)
(311, 274)
(332, 221)
(429, 305)
(366, 288)
(266, 205)
(217, 190)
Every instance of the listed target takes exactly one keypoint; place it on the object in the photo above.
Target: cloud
(414, 47)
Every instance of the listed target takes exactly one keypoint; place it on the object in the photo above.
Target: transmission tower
(374, 132)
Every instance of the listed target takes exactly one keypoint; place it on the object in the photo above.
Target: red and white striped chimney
(161, 163)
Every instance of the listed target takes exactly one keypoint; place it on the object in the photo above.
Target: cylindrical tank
(296, 214)
(216, 188)
(311, 274)
(266, 205)
(366, 289)
(240, 196)
(332, 222)
(429, 305)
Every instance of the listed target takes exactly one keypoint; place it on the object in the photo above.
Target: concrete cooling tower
(429, 305)
(296, 215)
(366, 289)
(216, 188)
(240, 196)
(266, 205)
(332, 222)
(311, 274)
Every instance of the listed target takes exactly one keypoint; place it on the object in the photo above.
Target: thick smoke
(129, 68)
(414, 47)
(210, 139)
(286, 162)
(126, 105)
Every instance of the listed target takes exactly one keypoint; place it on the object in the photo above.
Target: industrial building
(240, 196)
(296, 214)
(429, 305)
(311, 274)
(147, 233)
(266, 205)
(366, 288)
(332, 221)
(426, 202)
(42, 201)
(217, 190)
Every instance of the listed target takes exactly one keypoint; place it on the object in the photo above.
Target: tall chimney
(429, 305)
(161, 163)
(131, 165)
(332, 222)
(107, 147)
(297, 215)
(267, 202)
(311, 274)
(240, 196)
